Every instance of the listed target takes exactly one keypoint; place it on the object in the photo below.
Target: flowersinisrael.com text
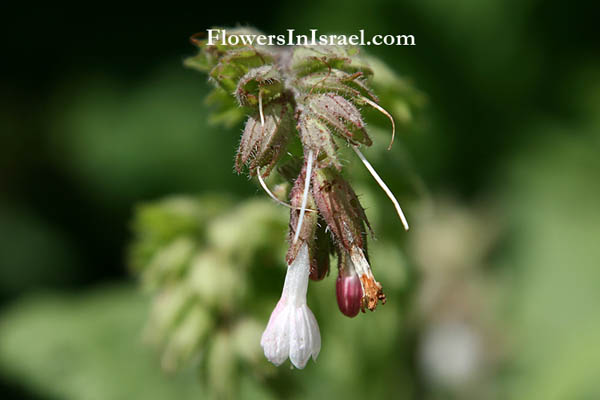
(220, 36)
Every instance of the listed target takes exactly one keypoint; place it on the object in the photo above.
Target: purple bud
(349, 294)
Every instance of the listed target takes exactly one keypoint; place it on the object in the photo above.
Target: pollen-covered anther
(372, 290)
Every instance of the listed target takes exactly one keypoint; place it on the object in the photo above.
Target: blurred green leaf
(554, 291)
(86, 347)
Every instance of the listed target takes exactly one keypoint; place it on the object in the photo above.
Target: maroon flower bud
(348, 288)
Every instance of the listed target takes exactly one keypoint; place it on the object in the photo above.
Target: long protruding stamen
(383, 186)
(384, 112)
(305, 194)
(271, 195)
(260, 109)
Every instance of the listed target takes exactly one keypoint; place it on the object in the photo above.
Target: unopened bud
(340, 208)
(350, 85)
(348, 288)
(314, 59)
(341, 115)
(316, 136)
(262, 145)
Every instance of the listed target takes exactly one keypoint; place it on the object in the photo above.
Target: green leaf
(86, 347)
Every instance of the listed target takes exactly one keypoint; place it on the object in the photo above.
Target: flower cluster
(314, 94)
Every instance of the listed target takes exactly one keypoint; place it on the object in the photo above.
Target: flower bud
(316, 136)
(346, 219)
(351, 86)
(307, 60)
(340, 115)
(263, 145)
(348, 288)
(340, 208)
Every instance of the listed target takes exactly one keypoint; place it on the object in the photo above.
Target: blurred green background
(494, 293)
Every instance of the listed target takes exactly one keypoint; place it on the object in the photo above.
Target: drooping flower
(292, 330)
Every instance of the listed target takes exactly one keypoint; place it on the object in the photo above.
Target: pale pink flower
(292, 330)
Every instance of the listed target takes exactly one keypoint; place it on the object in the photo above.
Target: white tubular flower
(292, 330)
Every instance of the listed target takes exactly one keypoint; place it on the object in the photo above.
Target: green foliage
(86, 347)
(553, 309)
(196, 257)
(215, 269)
